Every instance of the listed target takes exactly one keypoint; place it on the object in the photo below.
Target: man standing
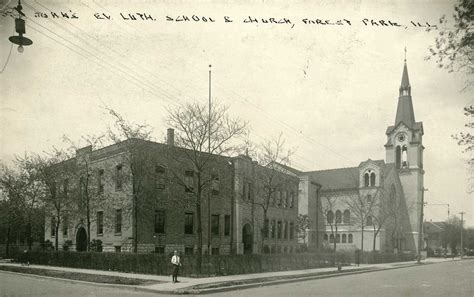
(176, 261)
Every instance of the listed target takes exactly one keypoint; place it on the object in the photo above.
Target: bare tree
(137, 158)
(202, 135)
(51, 170)
(302, 225)
(87, 195)
(327, 205)
(362, 206)
(273, 156)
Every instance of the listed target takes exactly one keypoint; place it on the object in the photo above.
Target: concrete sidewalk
(232, 282)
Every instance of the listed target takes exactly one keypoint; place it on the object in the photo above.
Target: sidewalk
(232, 282)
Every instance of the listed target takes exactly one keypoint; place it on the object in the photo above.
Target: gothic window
(331, 238)
(372, 179)
(330, 217)
(338, 238)
(398, 156)
(404, 157)
(349, 238)
(346, 218)
(338, 217)
(366, 179)
(344, 238)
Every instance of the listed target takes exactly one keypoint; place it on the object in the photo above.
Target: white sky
(332, 90)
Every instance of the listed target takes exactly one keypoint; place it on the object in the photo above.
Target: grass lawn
(107, 279)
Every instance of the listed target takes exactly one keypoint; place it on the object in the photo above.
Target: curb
(288, 280)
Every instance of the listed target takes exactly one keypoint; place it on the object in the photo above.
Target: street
(443, 279)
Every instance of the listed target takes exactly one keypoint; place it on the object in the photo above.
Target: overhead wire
(235, 95)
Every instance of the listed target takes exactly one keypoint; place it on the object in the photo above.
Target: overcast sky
(331, 89)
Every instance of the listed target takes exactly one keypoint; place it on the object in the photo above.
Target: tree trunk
(375, 237)
(362, 239)
(135, 220)
(28, 234)
(8, 242)
(264, 229)
(199, 228)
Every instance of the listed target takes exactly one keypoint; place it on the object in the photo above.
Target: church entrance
(81, 240)
(247, 239)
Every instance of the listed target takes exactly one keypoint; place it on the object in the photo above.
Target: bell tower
(404, 148)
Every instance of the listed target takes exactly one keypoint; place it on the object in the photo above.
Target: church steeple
(405, 112)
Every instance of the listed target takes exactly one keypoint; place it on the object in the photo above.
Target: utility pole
(210, 184)
(420, 236)
(462, 231)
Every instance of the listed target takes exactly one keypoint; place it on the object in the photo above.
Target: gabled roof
(416, 126)
(344, 178)
(336, 179)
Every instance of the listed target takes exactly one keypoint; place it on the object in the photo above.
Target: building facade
(378, 204)
(144, 193)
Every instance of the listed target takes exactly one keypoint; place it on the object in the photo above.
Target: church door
(247, 239)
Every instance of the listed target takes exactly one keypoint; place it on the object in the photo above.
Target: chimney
(170, 137)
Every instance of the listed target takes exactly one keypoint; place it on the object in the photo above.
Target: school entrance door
(81, 240)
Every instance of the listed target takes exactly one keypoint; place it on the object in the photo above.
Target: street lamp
(20, 29)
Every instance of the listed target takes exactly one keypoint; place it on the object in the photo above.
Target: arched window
(338, 238)
(330, 217)
(346, 218)
(344, 238)
(349, 238)
(369, 221)
(326, 237)
(372, 179)
(338, 217)
(398, 157)
(404, 157)
(366, 179)
(331, 238)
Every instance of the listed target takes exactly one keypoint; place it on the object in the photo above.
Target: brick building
(147, 190)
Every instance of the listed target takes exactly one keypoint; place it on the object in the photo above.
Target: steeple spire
(405, 112)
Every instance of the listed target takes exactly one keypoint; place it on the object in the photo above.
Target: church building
(376, 205)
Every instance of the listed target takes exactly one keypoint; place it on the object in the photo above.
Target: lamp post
(20, 29)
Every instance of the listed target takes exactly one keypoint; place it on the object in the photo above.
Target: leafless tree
(327, 205)
(201, 135)
(273, 157)
(138, 156)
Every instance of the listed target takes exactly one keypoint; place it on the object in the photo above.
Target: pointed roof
(405, 80)
(405, 111)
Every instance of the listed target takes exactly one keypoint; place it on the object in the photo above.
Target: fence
(210, 265)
